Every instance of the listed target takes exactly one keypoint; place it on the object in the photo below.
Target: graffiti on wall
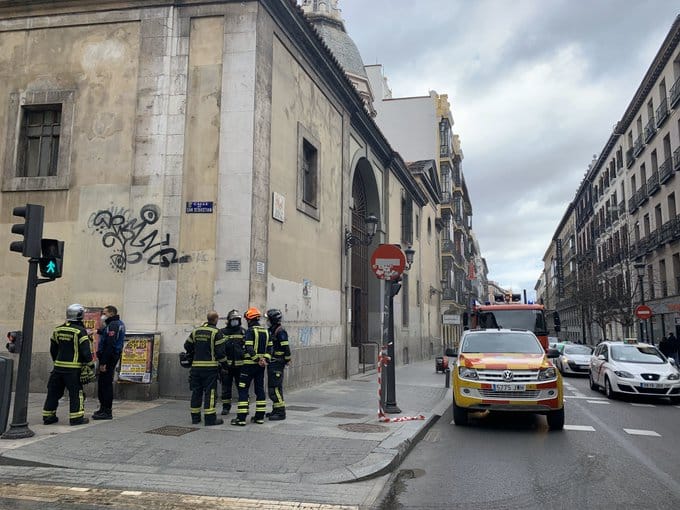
(134, 239)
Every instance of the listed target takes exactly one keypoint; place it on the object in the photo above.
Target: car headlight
(565, 359)
(624, 374)
(547, 373)
(467, 373)
(674, 377)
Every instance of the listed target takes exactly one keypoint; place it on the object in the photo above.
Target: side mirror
(451, 353)
(553, 353)
(601, 357)
(672, 361)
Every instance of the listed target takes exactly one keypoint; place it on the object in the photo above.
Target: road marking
(598, 402)
(643, 405)
(131, 493)
(637, 432)
(78, 489)
(432, 436)
(585, 428)
(584, 397)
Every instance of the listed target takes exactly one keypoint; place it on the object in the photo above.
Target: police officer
(256, 355)
(111, 339)
(205, 346)
(233, 335)
(70, 351)
(280, 358)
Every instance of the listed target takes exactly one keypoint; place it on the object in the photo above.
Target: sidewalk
(331, 435)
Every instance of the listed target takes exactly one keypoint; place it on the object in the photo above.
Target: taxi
(633, 368)
(505, 370)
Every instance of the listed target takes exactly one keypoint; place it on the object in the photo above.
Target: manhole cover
(363, 427)
(171, 430)
(300, 408)
(347, 416)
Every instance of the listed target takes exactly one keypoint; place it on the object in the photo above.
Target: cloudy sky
(535, 88)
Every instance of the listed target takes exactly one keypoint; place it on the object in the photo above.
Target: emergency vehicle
(508, 312)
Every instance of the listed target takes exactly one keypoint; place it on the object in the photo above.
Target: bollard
(447, 377)
(6, 368)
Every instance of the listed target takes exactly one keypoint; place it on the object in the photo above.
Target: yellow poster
(136, 358)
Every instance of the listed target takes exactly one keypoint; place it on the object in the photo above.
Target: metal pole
(390, 386)
(18, 429)
(642, 301)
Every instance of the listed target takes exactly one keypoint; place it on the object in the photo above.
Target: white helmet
(75, 312)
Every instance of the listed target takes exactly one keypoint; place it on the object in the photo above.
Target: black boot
(257, 419)
(79, 421)
(225, 409)
(277, 414)
(211, 419)
(195, 418)
(239, 422)
(49, 420)
(103, 414)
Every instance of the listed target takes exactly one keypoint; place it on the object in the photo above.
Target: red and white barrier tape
(384, 359)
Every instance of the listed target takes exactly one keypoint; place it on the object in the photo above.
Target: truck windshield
(532, 320)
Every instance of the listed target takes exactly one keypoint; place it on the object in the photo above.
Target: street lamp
(640, 268)
(371, 222)
(392, 288)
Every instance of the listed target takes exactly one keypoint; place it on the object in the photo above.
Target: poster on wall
(139, 359)
(92, 322)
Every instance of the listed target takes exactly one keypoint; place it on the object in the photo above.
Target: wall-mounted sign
(278, 207)
(450, 319)
(199, 207)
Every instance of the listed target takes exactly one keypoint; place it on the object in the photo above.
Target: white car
(574, 359)
(633, 368)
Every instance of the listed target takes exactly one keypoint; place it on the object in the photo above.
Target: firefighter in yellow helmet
(205, 346)
(256, 355)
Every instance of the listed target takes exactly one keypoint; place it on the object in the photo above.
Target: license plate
(651, 385)
(509, 387)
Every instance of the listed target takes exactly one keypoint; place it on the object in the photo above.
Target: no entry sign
(388, 262)
(643, 312)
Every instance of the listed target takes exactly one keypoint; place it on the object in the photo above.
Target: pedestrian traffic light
(31, 229)
(52, 256)
(14, 341)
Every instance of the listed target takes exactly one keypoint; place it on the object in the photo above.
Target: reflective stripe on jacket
(206, 346)
(257, 345)
(70, 346)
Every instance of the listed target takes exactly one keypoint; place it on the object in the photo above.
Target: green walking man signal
(50, 262)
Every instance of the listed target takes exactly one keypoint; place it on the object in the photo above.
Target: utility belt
(275, 360)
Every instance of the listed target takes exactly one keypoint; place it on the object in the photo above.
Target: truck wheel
(556, 419)
(460, 415)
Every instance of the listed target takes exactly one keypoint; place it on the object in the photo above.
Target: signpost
(388, 263)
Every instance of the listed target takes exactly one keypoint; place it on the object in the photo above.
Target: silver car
(574, 359)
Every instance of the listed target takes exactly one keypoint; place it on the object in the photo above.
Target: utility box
(6, 370)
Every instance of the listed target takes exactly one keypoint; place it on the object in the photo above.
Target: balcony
(676, 159)
(675, 93)
(638, 146)
(445, 198)
(662, 112)
(632, 204)
(653, 240)
(622, 208)
(666, 234)
(653, 184)
(630, 159)
(448, 295)
(447, 246)
(650, 130)
(665, 171)
(675, 228)
(642, 194)
(444, 151)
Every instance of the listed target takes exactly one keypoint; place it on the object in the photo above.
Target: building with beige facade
(197, 156)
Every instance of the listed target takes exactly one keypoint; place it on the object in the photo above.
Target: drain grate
(346, 416)
(171, 430)
(300, 408)
(363, 427)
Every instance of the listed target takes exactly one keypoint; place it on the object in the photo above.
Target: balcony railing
(447, 246)
(666, 232)
(653, 184)
(676, 159)
(675, 93)
(446, 197)
(665, 170)
(662, 112)
(622, 208)
(638, 145)
(632, 204)
(650, 129)
(643, 194)
(630, 159)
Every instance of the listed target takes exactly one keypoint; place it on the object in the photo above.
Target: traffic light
(14, 341)
(31, 229)
(52, 256)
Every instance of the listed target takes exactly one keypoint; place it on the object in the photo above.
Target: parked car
(505, 370)
(574, 359)
(633, 368)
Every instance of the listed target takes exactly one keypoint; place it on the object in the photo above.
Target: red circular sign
(388, 261)
(643, 312)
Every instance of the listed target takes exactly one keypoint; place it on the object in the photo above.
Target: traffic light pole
(18, 429)
(391, 407)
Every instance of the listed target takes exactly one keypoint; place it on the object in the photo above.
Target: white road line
(584, 397)
(131, 493)
(637, 432)
(598, 402)
(643, 405)
(78, 489)
(585, 428)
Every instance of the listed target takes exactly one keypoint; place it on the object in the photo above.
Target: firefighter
(233, 334)
(70, 351)
(256, 354)
(280, 359)
(205, 346)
